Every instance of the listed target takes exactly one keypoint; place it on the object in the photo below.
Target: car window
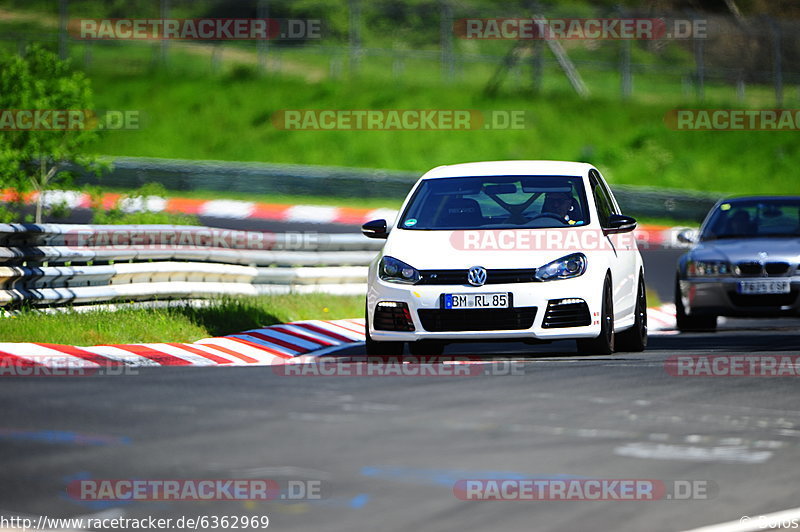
(497, 202)
(754, 218)
(605, 206)
(607, 193)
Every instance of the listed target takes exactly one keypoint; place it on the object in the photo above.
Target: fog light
(573, 301)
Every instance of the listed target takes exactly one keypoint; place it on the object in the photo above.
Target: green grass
(177, 323)
(652, 298)
(201, 117)
(191, 110)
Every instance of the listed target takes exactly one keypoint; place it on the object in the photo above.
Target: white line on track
(771, 521)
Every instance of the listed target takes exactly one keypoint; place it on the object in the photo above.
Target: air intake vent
(566, 313)
(392, 316)
(499, 319)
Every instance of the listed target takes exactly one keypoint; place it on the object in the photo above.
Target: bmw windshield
(772, 217)
(497, 202)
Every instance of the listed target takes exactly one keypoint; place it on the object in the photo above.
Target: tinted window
(497, 202)
(753, 218)
(605, 207)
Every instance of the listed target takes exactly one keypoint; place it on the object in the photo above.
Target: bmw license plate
(498, 300)
(764, 287)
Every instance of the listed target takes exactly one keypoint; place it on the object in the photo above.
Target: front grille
(756, 268)
(392, 318)
(497, 319)
(566, 315)
(749, 268)
(776, 268)
(443, 277)
(763, 300)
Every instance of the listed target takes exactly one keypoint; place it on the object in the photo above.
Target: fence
(404, 40)
(262, 178)
(61, 264)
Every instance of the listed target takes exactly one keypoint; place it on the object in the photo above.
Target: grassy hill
(199, 107)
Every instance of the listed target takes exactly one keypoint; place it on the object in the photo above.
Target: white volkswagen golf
(507, 251)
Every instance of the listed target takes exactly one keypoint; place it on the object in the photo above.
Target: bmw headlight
(707, 268)
(564, 268)
(396, 271)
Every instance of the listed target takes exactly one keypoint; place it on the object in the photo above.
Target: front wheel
(376, 348)
(605, 343)
(688, 322)
(635, 338)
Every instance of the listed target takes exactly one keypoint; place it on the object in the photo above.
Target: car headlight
(564, 268)
(396, 271)
(707, 268)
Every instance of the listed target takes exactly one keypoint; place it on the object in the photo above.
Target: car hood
(443, 250)
(748, 249)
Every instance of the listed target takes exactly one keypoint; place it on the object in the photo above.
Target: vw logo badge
(477, 276)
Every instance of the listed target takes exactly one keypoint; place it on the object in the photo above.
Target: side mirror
(619, 223)
(375, 229)
(687, 236)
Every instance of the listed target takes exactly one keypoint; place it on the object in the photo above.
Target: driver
(559, 204)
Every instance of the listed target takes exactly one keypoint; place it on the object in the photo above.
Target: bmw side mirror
(687, 236)
(375, 229)
(619, 223)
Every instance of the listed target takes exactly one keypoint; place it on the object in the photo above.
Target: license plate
(499, 300)
(764, 287)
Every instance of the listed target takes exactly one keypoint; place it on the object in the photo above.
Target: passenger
(562, 205)
(740, 224)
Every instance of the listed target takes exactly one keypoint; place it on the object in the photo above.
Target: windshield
(497, 202)
(754, 218)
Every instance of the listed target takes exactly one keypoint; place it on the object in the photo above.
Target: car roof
(491, 168)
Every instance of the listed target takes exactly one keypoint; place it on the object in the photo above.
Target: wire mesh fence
(696, 57)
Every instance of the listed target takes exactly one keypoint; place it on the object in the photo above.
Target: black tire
(634, 340)
(376, 348)
(426, 348)
(604, 344)
(691, 322)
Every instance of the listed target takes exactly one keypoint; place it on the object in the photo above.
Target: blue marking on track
(61, 436)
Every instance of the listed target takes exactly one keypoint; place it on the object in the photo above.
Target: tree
(35, 158)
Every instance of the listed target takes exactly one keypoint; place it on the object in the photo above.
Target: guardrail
(56, 264)
(263, 178)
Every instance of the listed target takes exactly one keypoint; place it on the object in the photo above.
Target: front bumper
(720, 297)
(523, 295)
